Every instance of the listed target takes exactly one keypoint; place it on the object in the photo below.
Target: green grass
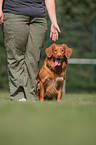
(71, 122)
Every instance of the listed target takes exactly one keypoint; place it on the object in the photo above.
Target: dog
(52, 74)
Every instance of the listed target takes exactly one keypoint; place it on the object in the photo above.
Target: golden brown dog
(52, 73)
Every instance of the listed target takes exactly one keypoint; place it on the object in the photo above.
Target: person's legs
(23, 41)
(16, 32)
(37, 31)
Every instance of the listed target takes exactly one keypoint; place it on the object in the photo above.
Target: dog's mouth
(57, 62)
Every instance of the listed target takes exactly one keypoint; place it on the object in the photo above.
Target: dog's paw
(42, 99)
(58, 100)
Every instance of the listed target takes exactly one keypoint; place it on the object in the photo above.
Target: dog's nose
(59, 55)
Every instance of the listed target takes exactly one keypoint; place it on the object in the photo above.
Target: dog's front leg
(59, 95)
(41, 91)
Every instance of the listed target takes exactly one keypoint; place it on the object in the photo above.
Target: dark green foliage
(3, 64)
(78, 9)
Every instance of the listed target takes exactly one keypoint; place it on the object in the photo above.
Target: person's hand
(1, 17)
(54, 32)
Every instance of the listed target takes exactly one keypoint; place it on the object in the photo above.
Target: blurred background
(77, 21)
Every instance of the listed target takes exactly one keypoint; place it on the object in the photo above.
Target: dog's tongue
(57, 62)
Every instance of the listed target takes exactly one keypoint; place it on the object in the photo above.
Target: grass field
(71, 122)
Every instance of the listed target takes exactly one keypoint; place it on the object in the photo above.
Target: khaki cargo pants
(24, 37)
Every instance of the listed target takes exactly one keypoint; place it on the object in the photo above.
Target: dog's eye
(55, 50)
(62, 50)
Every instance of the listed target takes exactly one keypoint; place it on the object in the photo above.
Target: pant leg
(37, 31)
(16, 32)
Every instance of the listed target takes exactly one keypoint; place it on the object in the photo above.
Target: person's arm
(50, 5)
(1, 13)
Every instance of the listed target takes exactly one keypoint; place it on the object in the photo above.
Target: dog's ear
(49, 50)
(68, 51)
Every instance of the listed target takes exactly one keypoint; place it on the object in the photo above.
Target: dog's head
(58, 52)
